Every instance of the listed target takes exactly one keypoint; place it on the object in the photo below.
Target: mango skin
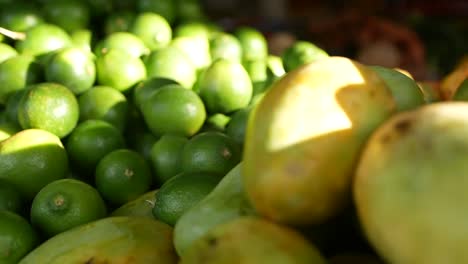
(410, 186)
(226, 202)
(141, 206)
(252, 240)
(304, 138)
(116, 240)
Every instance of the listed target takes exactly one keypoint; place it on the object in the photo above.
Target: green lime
(70, 15)
(190, 10)
(64, 204)
(153, 29)
(49, 106)
(10, 198)
(461, 94)
(17, 237)
(253, 43)
(257, 70)
(192, 29)
(32, 158)
(12, 105)
(180, 193)
(6, 52)
(83, 39)
(8, 128)
(122, 41)
(105, 103)
(197, 50)
(123, 175)
(211, 152)
(174, 110)
(144, 89)
(118, 21)
(165, 155)
(43, 39)
(236, 127)
(171, 63)
(16, 73)
(90, 141)
(119, 69)
(217, 122)
(143, 144)
(225, 87)
(225, 46)
(20, 16)
(72, 67)
(301, 52)
(165, 8)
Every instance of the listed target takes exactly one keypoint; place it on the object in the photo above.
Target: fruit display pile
(142, 132)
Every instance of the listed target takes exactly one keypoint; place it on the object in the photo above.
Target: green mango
(252, 240)
(224, 203)
(405, 90)
(141, 206)
(117, 239)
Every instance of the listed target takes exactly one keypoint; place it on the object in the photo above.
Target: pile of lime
(119, 118)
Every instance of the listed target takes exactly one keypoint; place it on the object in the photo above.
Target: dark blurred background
(427, 38)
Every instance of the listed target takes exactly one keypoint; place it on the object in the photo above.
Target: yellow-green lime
(49, 106)
(174, 110)
(153, 29)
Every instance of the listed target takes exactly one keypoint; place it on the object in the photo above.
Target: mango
(410, 186)
(141, 206)
(226, 202)
(252, 240)
(304, 138)
(116, 240)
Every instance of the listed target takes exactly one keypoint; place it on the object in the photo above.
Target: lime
(17, 237)
(6, 52)
(43, 39)
(211, 152)
(165, 8)
(83, 39)
(49, 106)
(118, 21)
(10, 198)
(104, 103)
(123, 175)
(217, 122)
(225, 87)
(197, 50)
(225, 46)
(20, 16)
(12, 105)
(119, 69)
(64, 204)
(16, 73)
(72, 67)
(253, 43)
(257, 70)
(190, 10)
(32, 158)
(170, 62)
(153, 29)
(90, 141)
(144, 89)
(70, 15)
(180, 193)
(8, 128)
(165, 155)
(174, 110)
(122, 41)
(461, 94)
(237, 125)
(301, 52)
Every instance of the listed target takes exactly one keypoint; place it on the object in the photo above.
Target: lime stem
(12, 34)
